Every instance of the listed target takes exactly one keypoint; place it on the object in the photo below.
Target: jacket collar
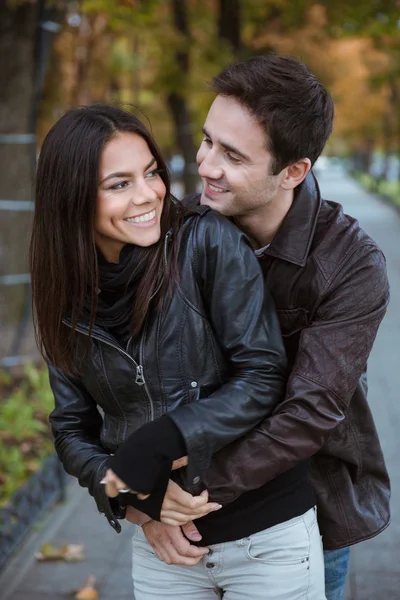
(293, 239)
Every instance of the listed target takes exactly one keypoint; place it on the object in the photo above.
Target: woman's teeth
(143, 218)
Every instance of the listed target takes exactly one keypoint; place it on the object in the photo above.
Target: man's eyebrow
(127, 173)
(228, 147)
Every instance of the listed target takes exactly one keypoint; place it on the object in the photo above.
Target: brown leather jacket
(329, 283)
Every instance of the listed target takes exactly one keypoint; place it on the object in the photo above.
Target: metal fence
(17, 343)
(41, 491)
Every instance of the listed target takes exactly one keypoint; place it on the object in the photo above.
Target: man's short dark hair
(288, 101)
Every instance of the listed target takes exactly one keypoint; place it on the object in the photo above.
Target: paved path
(375, 566)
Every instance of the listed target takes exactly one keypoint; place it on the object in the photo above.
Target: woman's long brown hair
(63, 257)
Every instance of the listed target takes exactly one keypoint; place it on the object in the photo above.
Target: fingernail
(196, 537)
(217, 506)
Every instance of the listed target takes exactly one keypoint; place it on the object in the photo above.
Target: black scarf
(118, 284)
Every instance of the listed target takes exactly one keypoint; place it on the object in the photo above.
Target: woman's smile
(147, 219)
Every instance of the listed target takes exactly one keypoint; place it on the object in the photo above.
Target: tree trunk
(178, 104)
(229, 25)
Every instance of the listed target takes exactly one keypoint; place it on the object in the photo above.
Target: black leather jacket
(213, 358)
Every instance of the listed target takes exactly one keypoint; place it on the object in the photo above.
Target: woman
(140, 313)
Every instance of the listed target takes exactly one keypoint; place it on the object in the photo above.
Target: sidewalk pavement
(75, 521)
(375, 568)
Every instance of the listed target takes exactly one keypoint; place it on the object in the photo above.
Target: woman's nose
(143, 193)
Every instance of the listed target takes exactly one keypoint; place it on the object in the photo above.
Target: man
(267, 126)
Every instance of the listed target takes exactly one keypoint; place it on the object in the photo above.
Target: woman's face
(130, 196)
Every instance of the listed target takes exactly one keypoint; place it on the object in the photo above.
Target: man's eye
(233, 159)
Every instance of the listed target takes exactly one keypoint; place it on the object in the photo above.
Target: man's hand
(191, 532)
(171, 546)
(180, 507)
(135, 516)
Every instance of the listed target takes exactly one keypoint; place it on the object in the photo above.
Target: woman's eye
(153, 173)
(119, 186)
(207, 141)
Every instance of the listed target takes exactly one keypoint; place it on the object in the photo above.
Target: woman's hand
(179, 463)
(180, 507)
(114, 486)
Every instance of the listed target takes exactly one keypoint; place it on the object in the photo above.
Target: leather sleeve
(332, 355)
(242, 316)
(76, 425)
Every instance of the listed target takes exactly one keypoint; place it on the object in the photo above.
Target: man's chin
(205, 200)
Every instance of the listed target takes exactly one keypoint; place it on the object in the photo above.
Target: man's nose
(209, 168)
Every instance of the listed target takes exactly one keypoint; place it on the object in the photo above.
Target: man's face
(233, 161)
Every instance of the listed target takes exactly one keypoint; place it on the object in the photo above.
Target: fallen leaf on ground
(68, 552)
(87, 591)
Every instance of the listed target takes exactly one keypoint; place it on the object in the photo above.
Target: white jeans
(284, 562)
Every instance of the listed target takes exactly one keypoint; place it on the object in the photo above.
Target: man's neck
(262, 224)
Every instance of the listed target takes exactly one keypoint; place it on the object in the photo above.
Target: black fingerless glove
(144, 460)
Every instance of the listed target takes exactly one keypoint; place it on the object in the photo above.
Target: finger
(183, 502)
(192, 513)
(191, 532)
(174, 521)
(181, 545)
(179, 463)
(142, 496)
(172, 557)
(111, 490)
(174, 518)
(113, 478)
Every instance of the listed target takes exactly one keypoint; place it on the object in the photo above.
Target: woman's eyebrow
(127, 173)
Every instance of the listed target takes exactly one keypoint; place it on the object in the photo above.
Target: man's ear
(295, 174)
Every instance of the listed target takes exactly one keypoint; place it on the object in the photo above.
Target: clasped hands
(171, 538)
(179, 507)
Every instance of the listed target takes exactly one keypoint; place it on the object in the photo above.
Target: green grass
(389, 189)
(25, 437)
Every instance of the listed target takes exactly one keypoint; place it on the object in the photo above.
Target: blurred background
(159, 55)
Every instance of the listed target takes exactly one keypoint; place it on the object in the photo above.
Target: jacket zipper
(146, 389)
(140, 380)
(141, 345)
(139, 369)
